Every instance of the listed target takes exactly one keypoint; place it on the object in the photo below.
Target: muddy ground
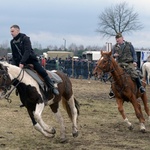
(100, 125)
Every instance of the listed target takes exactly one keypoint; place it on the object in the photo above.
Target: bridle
(7, 88)
(4, 78)
(107, 68)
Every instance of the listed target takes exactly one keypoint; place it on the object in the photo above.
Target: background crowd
(76, 68)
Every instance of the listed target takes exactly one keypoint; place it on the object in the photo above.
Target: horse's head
(5, 80)
(103, 64)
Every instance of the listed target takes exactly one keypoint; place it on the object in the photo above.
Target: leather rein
(108, 68)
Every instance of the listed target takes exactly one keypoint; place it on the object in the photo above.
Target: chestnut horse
(32, 97)
(124, 88)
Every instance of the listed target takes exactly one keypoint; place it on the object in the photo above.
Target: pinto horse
(124, 88)
(13, 77)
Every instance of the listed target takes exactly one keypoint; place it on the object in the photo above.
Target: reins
(13, 81)
(118, 77)
(111, 70)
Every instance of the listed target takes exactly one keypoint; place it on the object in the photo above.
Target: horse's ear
(101, 52)
(110, 52)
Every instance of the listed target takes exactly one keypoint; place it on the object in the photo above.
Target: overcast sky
(49, 22)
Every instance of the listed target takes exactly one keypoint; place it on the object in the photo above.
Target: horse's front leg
(146, 107)
(37, 125)
(139, 114)
(121, 110)
(42, 126)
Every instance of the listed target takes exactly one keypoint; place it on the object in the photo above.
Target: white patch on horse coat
(37, 115)
(127, 121)
(40, 129)
(14, 71)
(54, 71)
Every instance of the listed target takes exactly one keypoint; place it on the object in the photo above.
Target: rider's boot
(50, 85)
(139, 85)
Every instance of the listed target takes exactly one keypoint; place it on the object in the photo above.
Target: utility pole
(64, 44)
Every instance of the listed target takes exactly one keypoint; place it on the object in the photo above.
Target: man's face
(119, 40)
(14, 32)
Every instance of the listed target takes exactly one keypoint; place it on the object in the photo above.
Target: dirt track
(100, 125)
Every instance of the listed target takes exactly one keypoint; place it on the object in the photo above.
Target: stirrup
(111, 95)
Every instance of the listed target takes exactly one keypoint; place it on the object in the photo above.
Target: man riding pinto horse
(23, 54)
(125, 55)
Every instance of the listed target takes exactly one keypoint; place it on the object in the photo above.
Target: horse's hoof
(143, 130)
(75, 134)
(50, 135)
(53, 131)
(130, 127)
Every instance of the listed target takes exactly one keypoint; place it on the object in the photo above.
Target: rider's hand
(135, 64)
(21, 65)
(116, 55)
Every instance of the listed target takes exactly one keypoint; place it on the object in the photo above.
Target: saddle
(53, 76)
(124, 66)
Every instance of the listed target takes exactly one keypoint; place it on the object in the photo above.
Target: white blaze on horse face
(102, 58)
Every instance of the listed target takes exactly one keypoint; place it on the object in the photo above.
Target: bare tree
(118, 18)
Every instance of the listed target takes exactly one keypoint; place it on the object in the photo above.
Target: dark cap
(118, 35)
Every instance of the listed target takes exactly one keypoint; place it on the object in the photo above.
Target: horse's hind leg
(74, 115)
(57, 113)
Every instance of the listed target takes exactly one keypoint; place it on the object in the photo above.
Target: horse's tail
(77, 105)
(67, 108)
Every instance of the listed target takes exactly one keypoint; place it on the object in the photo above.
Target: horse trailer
(92, 55)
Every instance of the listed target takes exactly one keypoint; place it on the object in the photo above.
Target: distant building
(60, 54)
